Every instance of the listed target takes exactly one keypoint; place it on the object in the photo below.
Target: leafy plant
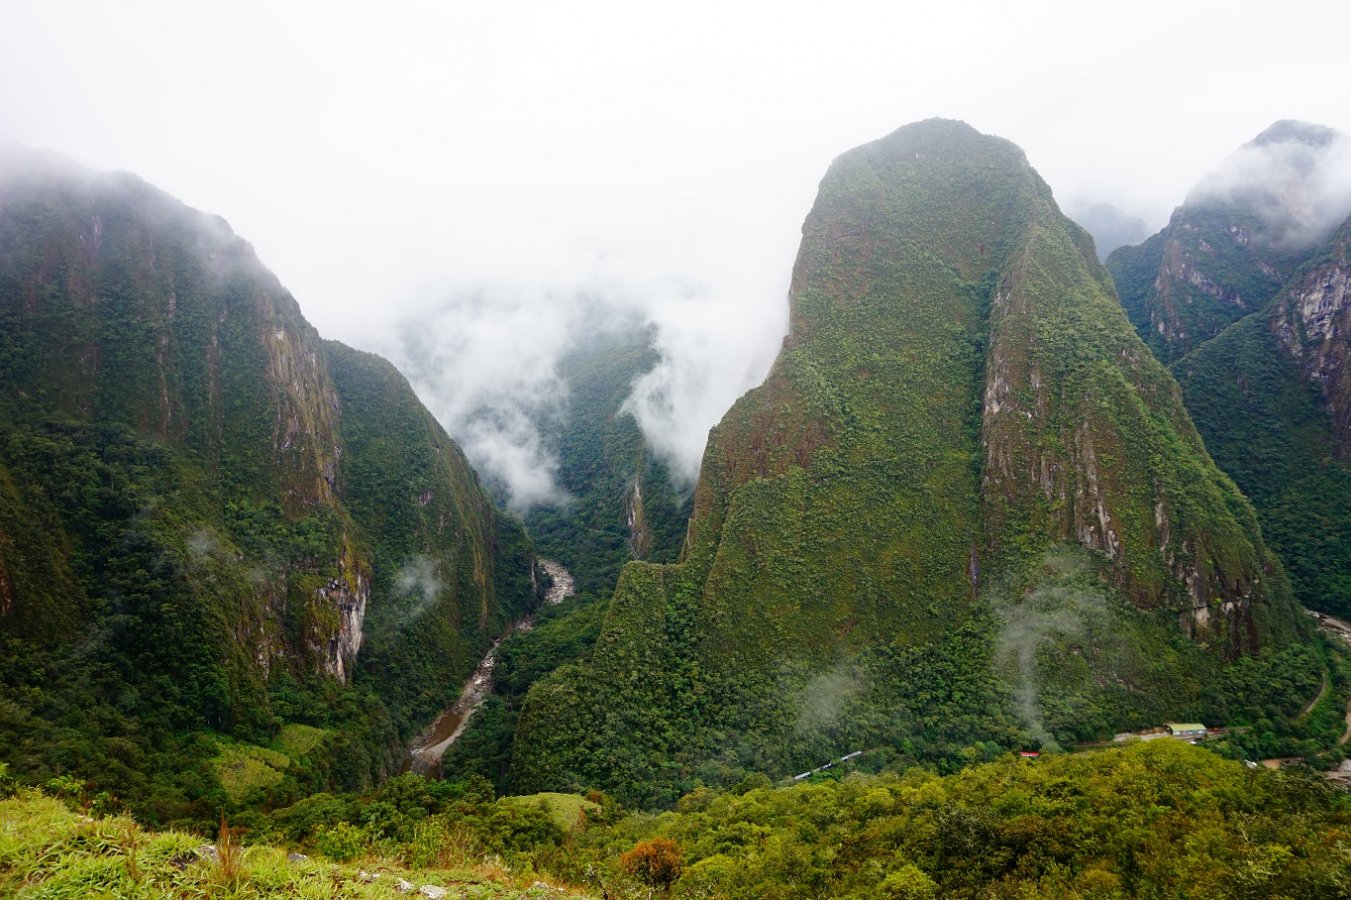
(656, 862)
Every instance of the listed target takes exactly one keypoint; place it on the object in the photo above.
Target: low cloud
(1062, 610)
(203, 545)
(486, 360)
(712, 351)
(420, 578)
(824, 699)
(1296, 177)
(1110, 226)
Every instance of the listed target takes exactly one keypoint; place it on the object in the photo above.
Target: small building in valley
(1189, 730)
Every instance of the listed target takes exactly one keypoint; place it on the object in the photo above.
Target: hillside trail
(1340, 630)
(424, 756)
(1308, 707)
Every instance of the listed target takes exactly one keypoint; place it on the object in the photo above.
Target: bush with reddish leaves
(657, 862)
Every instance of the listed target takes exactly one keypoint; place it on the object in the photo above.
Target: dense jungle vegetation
(966, 516)
(1268, 424)
(1159, 819)
(882, 549)
(199, 502)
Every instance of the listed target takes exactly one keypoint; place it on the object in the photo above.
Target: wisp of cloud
(486, 360)
(1063, 609)
(419, 578)
(1295, 176)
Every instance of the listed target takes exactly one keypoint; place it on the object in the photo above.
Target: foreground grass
(1157, 820)
(50, 851)
(566, 810)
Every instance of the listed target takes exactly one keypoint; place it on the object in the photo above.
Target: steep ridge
(191, 532)
(451, 571)
(962, 427)
(1272, 396)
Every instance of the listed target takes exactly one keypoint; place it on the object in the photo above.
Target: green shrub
(342, 841)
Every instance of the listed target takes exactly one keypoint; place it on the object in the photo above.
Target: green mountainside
(1182, 286)
(1158, 819)
(452, 571)
(212, 524)
(1254, 324)
(1272, 395)
(965, 512)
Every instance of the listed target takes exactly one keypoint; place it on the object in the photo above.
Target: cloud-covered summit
(1295, 176)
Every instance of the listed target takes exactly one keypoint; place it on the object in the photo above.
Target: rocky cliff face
(639, 540)
(1228, 250)
(1243, 293)
(960, 407)
(1201, 273)
(1313, 324)
(347, 596)
(1073, 452)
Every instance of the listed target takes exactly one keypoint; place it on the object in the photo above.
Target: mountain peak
(1287, 131)
(1244, 228)
(1294, 178)
(962, 446)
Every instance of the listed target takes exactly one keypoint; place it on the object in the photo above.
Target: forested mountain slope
(210, 521)
(966, 509)
(1245, 294)
(1272, 395)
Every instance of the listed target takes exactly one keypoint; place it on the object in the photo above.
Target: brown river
(424, 756)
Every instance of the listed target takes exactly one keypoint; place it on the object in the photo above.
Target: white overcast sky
(382, 156)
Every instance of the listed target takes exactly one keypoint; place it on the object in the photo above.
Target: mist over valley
(603, 451)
